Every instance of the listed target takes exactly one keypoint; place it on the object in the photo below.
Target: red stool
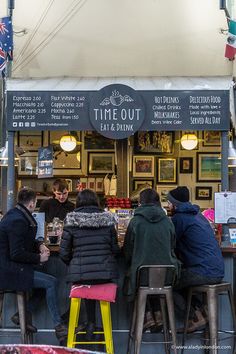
(104, 293)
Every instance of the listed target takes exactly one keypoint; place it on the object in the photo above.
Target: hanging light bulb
(189, 141)
(68, 142)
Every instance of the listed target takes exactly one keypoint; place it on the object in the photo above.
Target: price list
(43, 110)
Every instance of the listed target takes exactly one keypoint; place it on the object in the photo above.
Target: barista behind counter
(59, 205)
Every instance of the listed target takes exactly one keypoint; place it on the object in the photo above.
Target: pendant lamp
(189, 141)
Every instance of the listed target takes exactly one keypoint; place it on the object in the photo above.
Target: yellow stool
(104, 293)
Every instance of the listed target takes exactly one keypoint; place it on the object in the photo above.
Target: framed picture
(99, 185)
(95, 141)
(66, 164)
(28, 164)
(167, 171)
(84, 182)
(154, 142)
(189, 132)
(186, 165)
(30, 140)
(203, 193)
(139, 183)
(101, 163)
(208, 167)
(91, 183)
(143, 166)
(163, 191)
(211, 138)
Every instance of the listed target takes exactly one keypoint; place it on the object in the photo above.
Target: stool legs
(139, 321)
(22, 316)
(1, 305)
(171, 311)
(131, 331)
(107, 326)
(165, 324)
(74, 314)
(212, 302)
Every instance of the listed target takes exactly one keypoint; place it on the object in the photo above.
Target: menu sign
(45, 162)
(118, 111)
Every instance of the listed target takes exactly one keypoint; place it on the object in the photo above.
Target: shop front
(130, 129)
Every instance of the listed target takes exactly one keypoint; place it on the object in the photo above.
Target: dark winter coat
(88, 245)
(19, 251)
(53, 208)
(196, 242)
(150, 239)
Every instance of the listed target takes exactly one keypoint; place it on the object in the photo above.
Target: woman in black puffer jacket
(88, 246)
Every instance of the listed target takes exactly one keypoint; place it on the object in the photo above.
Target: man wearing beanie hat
(198, 250)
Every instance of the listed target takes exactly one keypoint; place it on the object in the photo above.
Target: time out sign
(116, 111)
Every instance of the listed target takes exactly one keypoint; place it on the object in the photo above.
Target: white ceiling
(92, 38)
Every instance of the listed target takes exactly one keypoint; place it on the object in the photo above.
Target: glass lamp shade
(68, 142)
(189, 141)
(78, 156)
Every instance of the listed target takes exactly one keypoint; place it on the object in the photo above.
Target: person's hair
(87, 197)
(26, 195)
(59, 185)
(149, 196)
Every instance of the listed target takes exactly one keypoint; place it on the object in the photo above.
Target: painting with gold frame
(167, 171)
(101, 163)
(143, 166)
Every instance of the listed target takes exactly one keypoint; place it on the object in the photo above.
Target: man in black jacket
(59, 205)
(20, 252)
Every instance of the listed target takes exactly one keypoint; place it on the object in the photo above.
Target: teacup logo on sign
(116, 111)
(116, 99)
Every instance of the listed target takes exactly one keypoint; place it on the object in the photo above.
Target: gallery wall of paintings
(156, 158)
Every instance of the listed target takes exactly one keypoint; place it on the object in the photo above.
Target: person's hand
(44, 249)
(44, 257)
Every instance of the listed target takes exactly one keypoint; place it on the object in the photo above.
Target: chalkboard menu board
(118, 111)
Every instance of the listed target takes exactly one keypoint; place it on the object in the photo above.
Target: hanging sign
(45, 162)
(118, 111)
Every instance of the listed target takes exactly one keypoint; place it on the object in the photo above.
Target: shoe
(29, 327)
(61, 333)
(158, 322)
(198, 323)
(90, 328)
(149, 321)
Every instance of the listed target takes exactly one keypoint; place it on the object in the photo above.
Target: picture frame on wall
(167, 171)
(95, 141)
(66, 164)
(30, 140)
(186, 165)
(163, 191)
(211, 138)
(142, 182)
(99, 185)
(101, 162)
(28, 164)
(143, 166)
(203, 193)
(208, 167)
(160, 142)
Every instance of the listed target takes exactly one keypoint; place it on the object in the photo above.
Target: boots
(61, 334)
(29, 327)
(198, 322)
(149, 321)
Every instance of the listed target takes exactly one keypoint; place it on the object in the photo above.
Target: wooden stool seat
(21, 296)
(104, 293)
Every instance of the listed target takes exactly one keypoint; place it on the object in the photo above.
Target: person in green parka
(150, 239)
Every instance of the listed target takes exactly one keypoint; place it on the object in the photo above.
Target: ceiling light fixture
(189, 141)
(68, 142)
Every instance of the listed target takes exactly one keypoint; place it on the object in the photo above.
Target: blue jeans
(49, 283)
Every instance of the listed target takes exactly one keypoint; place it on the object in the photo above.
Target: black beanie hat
(178, 195)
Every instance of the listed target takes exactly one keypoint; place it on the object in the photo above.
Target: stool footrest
(80, 342)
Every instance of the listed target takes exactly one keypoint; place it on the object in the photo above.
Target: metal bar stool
(156, 286)
(211, 293)
(21, 296)
(104, 293)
